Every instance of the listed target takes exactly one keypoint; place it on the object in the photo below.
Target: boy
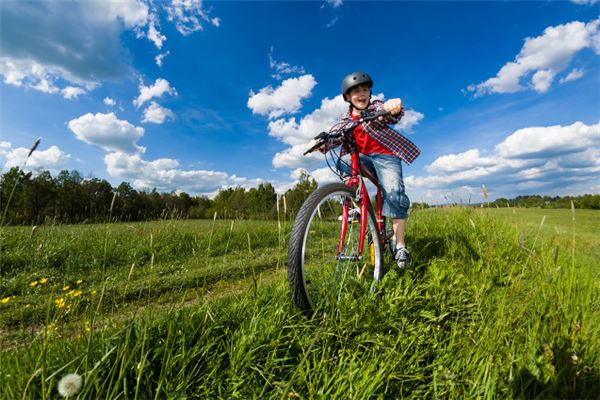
(381, 150)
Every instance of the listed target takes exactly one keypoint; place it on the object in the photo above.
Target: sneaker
(402, 257)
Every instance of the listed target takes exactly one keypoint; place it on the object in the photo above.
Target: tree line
(587, 201)
(69, 198)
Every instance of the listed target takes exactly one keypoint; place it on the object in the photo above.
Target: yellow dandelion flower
(33, 284)
(60, 303)
(65, 288)
(5, 300)
(70, 293)
(79, 281)
(76, 293)
(43, 281)
(27, 305)
(88, 329)
(50, 328)
(93, 292)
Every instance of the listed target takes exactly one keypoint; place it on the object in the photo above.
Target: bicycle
(325, 253)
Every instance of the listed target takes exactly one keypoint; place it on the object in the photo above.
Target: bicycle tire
(299, 262)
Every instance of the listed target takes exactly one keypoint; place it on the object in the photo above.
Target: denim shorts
(388, 170)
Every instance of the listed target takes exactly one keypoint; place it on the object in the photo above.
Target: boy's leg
(399, 225)
(396, 203)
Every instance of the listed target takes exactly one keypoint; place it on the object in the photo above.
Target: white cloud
(549, 141)
(542, 80)
(556, 159)
(298, 134)
(72, 92)
(409, 120)
(544, 57)
(131, 12)
(109, 102)
(584, 2)
(335, 3)
(456, 162)
(160, 57)
(156, 114)
(165, 175)
(52, 159)
(107, 132)
(153, 33)
(4, 148)
(40, 54)
(282, 68)
(158, 89)
(285, 99)
(575, 74)
(188, 16)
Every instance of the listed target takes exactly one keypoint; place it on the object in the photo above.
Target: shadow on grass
(428, 248)
(558, 372)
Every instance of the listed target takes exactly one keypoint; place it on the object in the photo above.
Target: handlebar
(322, 137)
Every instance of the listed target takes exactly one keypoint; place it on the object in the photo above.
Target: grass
(498, 305)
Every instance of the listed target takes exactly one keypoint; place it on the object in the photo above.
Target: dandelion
(5, 300)
(70, 385)
(50, 329)
(65, 288)
(60, 303)
(79, 281)
(33, 284)
(93, 292)
(27, 306)
(43, 281)
(76, 293)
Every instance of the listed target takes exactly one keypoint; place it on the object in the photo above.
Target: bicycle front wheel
(323, 269)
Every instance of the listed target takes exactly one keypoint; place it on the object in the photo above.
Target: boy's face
(359, 96)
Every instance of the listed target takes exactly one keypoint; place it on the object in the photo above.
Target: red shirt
(366, 144)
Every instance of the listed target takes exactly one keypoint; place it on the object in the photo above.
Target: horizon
(200, 96)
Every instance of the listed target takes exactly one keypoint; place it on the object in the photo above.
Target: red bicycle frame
(356, 180)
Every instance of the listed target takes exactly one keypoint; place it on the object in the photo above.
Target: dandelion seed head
(69, 385)
(34, 146)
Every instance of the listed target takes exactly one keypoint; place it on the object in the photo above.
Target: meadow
(500, 303)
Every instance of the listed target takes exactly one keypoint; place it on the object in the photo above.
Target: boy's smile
(360, 96)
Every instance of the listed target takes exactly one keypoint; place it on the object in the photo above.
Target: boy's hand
(394, 106)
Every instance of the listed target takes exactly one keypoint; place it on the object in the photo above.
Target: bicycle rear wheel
(319, 274)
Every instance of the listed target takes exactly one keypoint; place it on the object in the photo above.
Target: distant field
(581, 227)
(498, 305)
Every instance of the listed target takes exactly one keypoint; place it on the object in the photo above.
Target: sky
(196, 96)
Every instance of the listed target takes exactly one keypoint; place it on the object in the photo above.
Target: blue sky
(196, 96)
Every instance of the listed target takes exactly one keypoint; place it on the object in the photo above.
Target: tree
(300, 192)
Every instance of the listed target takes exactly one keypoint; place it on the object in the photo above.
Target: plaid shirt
(380, 131)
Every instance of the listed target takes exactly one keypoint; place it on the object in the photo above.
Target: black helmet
(354, 79)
